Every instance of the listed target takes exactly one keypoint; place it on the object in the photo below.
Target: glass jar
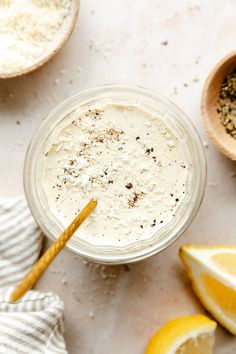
(124, 95)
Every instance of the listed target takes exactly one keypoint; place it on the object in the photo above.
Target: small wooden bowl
(50, 54)
(210, 97)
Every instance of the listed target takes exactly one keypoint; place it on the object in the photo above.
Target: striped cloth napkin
(35, 323)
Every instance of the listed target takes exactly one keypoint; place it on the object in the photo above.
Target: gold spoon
(42, 264)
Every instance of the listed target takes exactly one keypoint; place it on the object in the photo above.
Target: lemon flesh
(202, 345)
(226, 261)
(185, 335)
(213, 274)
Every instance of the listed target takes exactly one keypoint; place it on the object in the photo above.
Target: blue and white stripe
(34, 324)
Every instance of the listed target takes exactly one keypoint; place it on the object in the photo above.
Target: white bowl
(56, 44)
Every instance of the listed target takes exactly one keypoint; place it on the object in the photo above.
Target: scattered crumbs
(104, 275)
(196, 78)
(126, 268)
(164, 42)
(193, 7)
(62, 71)
(18, 122)
(214, 185)
(175, 90)
(137, 138)
(91, 314)
(185, 84)
(232, 173)
(129, 185)
(64, 281)
(56, 82)
(55, 271)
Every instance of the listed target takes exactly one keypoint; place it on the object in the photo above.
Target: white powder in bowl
(29, 30)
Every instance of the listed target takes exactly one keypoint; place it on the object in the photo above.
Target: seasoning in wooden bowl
(227, 104)
(218, 105)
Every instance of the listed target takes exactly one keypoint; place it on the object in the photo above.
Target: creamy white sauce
(126, 158)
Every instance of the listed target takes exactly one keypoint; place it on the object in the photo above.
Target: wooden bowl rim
(50, 54)
(206, 119)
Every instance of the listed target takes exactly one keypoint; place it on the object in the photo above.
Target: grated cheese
(29, 29)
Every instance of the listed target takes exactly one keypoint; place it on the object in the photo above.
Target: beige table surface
(115, 310)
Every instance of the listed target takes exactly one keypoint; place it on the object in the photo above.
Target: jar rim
(53, 119)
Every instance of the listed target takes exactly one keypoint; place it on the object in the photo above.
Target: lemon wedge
(185, 335)
(213, 274)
